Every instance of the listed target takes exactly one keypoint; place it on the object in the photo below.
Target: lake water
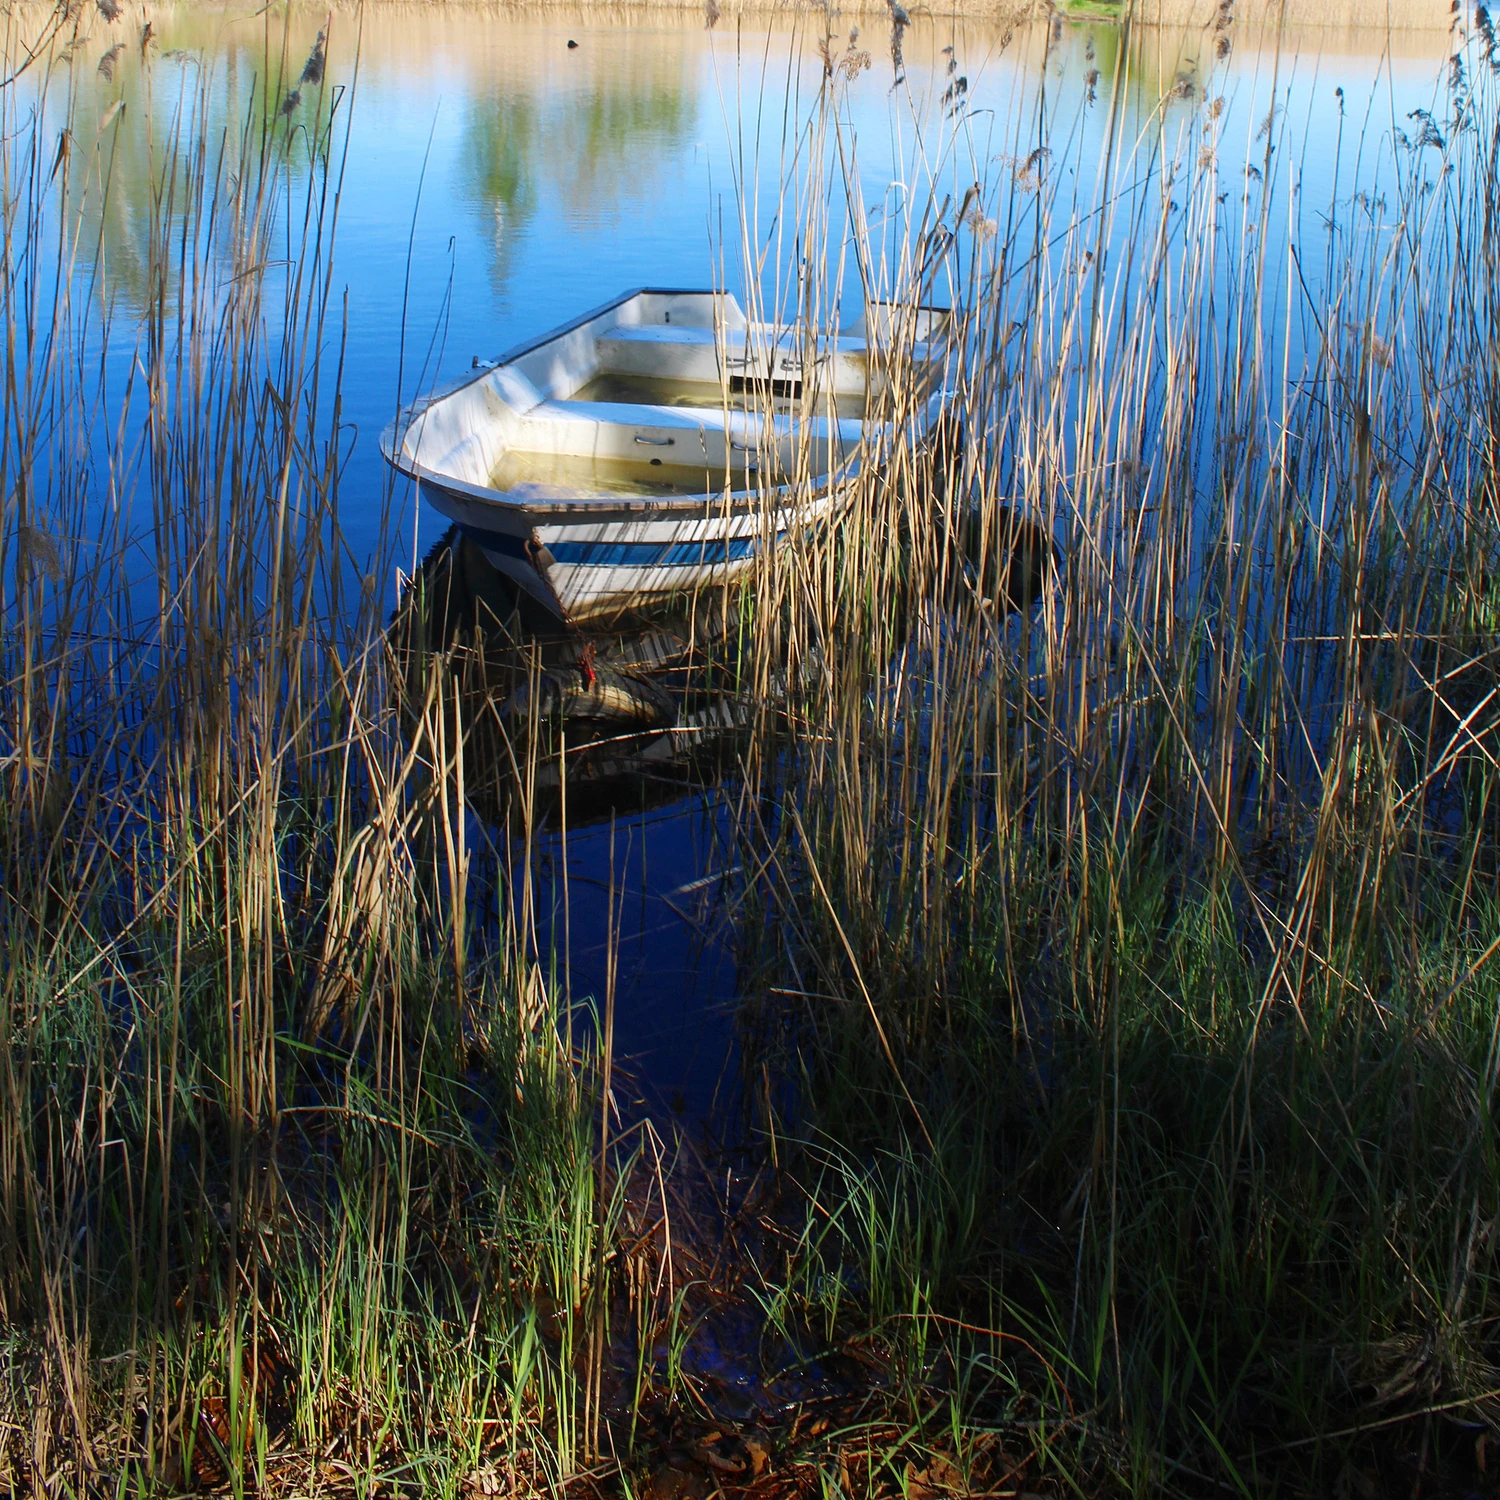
(498, 180)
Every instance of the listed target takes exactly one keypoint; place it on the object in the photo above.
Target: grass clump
(299, 1174)
(1129, 959)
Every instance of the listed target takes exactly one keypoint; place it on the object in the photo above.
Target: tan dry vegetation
(1394, 15)
(1303, 22)
(1304, 15)
(514, 55)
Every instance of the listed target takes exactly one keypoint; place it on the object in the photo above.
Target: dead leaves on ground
(881, 1463)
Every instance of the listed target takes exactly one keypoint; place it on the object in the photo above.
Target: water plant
(299, 1174)
(1134, 951)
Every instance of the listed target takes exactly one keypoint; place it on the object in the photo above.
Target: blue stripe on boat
(609, 554)
(622, 554)
(687, 554)
(652, 554)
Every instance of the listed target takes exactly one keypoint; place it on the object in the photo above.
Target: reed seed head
(312, 69)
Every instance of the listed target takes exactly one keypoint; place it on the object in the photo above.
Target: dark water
(674, 956)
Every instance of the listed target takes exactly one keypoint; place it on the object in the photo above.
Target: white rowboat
(646, 449)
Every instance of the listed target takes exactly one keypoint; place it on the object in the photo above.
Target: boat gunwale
(708, 503)
(404, 418)
(711, 505)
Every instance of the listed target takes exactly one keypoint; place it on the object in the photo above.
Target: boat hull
(582, 570)
(575, 463)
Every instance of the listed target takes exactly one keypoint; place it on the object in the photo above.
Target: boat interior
(661, 393)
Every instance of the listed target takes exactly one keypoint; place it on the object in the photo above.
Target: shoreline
(1427, 16)
(1398, 17)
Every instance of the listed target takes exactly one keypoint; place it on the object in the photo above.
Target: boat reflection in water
(598, 758)
(608, 754)
(633, 712)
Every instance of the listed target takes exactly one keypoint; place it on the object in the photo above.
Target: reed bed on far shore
(1294, 17)
(1129, 965)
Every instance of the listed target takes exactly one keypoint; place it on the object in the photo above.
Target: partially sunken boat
(647, 448)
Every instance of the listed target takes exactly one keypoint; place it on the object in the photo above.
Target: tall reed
(1145, 938)
(298, 1176)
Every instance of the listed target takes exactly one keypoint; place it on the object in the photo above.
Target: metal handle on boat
(656, 442)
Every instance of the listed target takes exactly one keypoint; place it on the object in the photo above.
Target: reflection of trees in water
(1163, 74)
(590, 146)
(1154, 64)
(192, 87)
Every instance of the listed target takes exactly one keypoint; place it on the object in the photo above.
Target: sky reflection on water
(498, 182)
